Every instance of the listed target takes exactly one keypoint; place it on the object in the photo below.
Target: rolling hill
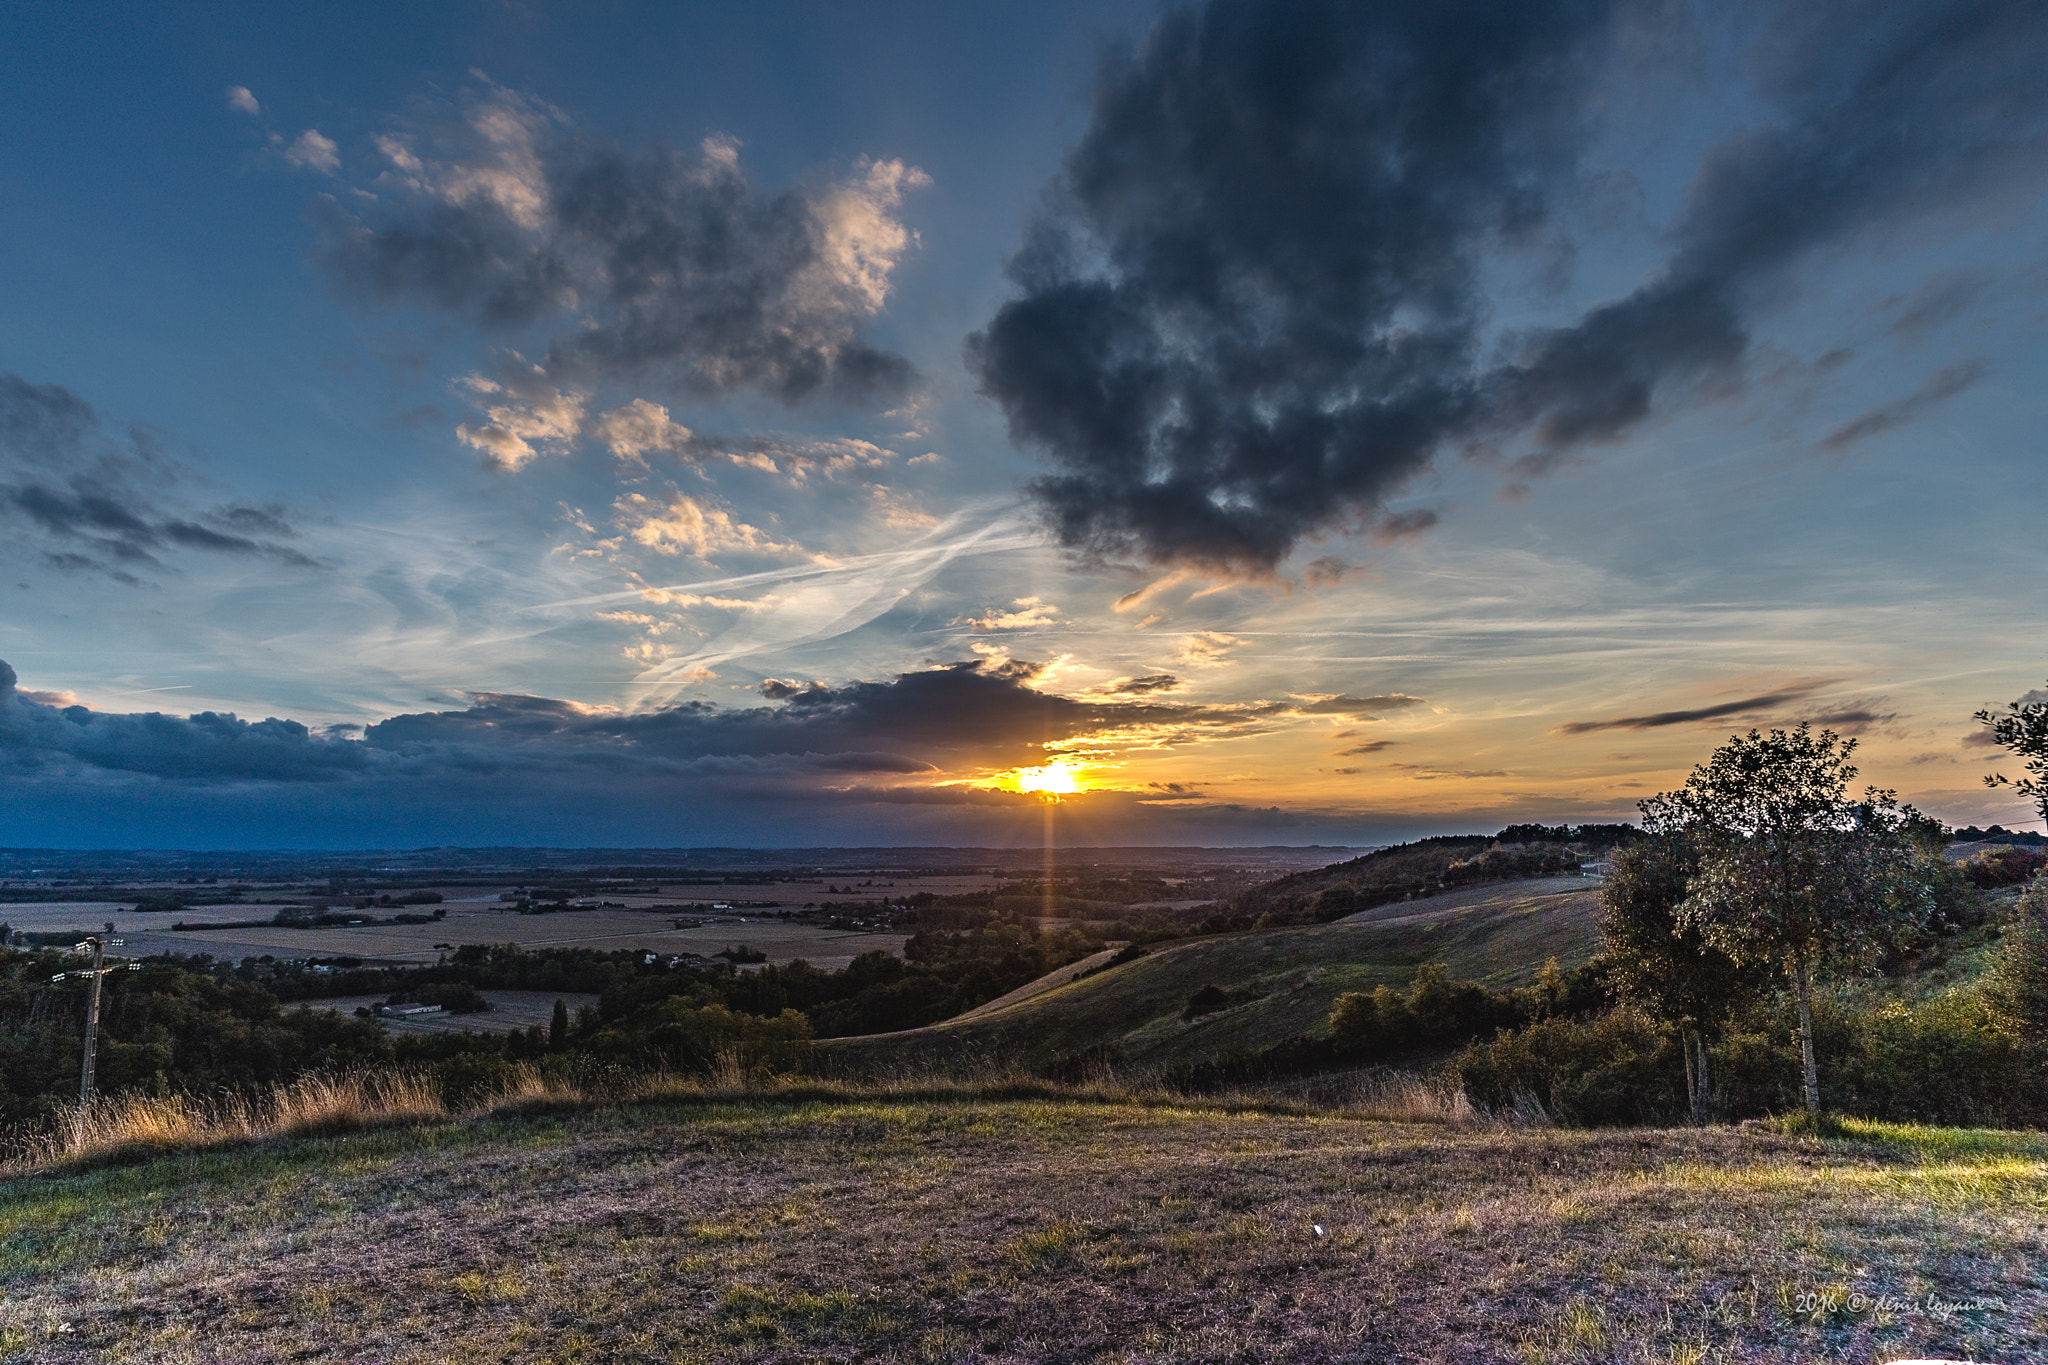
(1281, 981)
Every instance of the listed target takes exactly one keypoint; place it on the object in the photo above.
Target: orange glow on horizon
(1055, 779)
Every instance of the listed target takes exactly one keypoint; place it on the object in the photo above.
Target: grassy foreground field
(1283, 981)
(937, 1225)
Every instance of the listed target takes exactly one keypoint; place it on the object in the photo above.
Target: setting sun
(1054, 779)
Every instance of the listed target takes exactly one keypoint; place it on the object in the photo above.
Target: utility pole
(97, 946)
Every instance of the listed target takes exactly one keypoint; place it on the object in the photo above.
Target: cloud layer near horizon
(970, 717)
(815, 753)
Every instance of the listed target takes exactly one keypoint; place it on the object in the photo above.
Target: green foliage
(1617, 1067)
(1501, 864)
(2023, 728)
(1437, 1011)
(1658, 959)
(164, 1027)
(1949, 1060)
(695, 1038)
(2005, 866)
(1786, 870)
(2017, 992)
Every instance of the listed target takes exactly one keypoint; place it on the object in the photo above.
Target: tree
(558, 1026)
(2018, 986)
(2023, 728)
(1665, 965)
(1791, 873)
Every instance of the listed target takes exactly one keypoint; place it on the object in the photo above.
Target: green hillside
(1282, 981)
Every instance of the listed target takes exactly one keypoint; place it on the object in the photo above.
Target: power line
(97, 946)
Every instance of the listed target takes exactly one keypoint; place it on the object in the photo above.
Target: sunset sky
(805, 423)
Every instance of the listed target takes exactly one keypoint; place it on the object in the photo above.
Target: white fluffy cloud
(311, 151)
(682, 524)
(1022, 614)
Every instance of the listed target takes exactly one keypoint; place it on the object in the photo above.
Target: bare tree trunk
(1692, 1085)
(1802, 979)
(1703, 1096)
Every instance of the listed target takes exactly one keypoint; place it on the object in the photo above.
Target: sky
(795, 424)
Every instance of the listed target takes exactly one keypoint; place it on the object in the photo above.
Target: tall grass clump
(128, 1127)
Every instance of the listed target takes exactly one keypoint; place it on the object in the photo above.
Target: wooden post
(92, 1020)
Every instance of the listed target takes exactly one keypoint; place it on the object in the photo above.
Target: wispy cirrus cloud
(1746, 706)
(1939, 388)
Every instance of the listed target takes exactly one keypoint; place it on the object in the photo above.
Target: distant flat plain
(480, 917)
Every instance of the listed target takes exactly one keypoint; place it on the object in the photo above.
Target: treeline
(1418, 870)
(942, 973)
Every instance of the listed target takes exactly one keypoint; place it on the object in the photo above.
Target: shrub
(2006, 866)
(470, 1077)
(2017, 991)
(694, 1038)
(1946, 1061)
(1617, 1067)
(1951, 1060)
(1436, 1011)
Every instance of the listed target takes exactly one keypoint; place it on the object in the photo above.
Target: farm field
(1069, 1227)
(509, 1010)
(468, 921)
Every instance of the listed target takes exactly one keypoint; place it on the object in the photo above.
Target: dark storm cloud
(204, 747)
(963, 713)
(673, 265)
(1252, 309)
(93, 499)
(1937, 390)
(1658, 720)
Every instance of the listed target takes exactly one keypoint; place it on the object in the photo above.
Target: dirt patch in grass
(850, 1229)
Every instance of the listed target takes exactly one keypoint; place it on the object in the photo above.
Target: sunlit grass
(796, 1219)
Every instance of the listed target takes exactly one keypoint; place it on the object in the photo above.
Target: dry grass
(1006, 1220)
(130, 1127)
